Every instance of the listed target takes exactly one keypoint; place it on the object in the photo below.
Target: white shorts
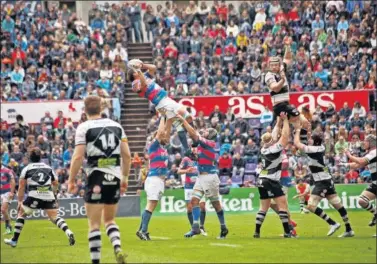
(209, 184)
(168, 107)
(285, 190)
(188, 196)
(154, 187)
(5, 198)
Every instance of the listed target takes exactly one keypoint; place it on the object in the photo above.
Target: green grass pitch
(41, 242)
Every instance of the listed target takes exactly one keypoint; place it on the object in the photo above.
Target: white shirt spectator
(361, 111)
(233, 29)
(119, 50)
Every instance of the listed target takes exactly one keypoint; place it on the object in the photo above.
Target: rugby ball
(135, 63)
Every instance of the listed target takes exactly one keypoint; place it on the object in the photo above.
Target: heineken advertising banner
(246, 200)
(74, 208)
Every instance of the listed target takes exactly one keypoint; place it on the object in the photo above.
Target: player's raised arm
(362, 161)
(296, 139)
(277, 129)
(285, 131)
(288, 56)
(150, 67)
(190, 130)
(161, 132)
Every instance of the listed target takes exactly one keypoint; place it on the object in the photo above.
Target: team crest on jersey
(97, 189)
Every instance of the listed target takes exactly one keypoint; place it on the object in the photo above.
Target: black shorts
(102, 188)
(269, 189)
(372, 188)
(35, 203)
(291, 110)
(324, 188)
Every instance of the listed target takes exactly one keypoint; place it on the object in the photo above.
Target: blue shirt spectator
(8, 24)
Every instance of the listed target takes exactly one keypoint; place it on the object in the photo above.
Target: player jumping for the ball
(278, 85)
(145, 86)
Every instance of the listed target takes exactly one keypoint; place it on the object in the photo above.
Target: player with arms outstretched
(105, 146)
(155, 182)
(323, 183)
(269, 186)
(41, 183)
(7, 187)
(189, 172)
(208, 183)
(145, 86)
(370, 160)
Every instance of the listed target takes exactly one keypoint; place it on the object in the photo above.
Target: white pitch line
(162, 238)
(224, 245)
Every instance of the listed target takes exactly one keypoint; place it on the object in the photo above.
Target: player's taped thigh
(214, 198)
(314, 201)
(27, 210)
(365, 199)
(334, 200)
(197, 194)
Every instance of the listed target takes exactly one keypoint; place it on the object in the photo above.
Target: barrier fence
(246, 200)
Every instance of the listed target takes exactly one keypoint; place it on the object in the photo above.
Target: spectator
(47, 120)
(134, 12)
(238, 148)
(242, 124)
(225, 164)
(4, 156)
(217, 114)
(60, 119)
(137, 163)
(67, 155)
(351, 176)
(365, 175)
(238, 165)
(266, 117)
(359, 109)
(44, 147)
(251, 152)
(341, 146)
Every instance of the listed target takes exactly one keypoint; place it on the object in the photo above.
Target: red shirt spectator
(18, 54)
(225, 161)
(59, 119)
(293, 15)
(223, 11)
(231, 48)
(280, 17)
(360, 134)
(171, 48)
(352, 176)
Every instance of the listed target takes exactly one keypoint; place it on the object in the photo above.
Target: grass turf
(42, 242)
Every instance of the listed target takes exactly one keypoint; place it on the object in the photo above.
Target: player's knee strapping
(112, 231)
(313, 202)
(95, 245)
(335, 200)
(214, 199)
(366, 204)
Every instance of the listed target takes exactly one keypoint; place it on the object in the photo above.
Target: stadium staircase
(135, 114)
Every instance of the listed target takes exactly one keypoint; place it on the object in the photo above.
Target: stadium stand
(199, 50)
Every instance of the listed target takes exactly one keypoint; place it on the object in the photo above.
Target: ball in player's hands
(135, 63)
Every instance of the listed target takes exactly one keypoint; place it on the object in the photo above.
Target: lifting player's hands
(191, 170)
(283, 115)
(180, 118)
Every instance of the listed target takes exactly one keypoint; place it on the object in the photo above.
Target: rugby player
(323, 183)
(269, 186)
(7, 188)
(278, 85)
(155, 183)
(105, 145)
(370, 160)
(189, 172)
(145, 86)
(303, 194)
(208, 183)
(42, 184)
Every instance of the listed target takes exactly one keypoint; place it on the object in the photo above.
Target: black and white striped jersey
(283, 94)
(102, 138)
(272, 162)
(39, 178)
(316, 162)
(372, 164)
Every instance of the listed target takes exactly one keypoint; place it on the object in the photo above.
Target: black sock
(189, 216)
(285, 220)
(95, 246)
(202, 218)
(343, 213)
(113, 233)
(304, 136)
(7, 224)
(302, 204)
(259, 221)
(59, 222)
(306, 203)
(18, 228)
(318, 211)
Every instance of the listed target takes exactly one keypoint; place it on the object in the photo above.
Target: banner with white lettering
(74, 208)
(246, 200)
(252, 105)
(33, 111)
